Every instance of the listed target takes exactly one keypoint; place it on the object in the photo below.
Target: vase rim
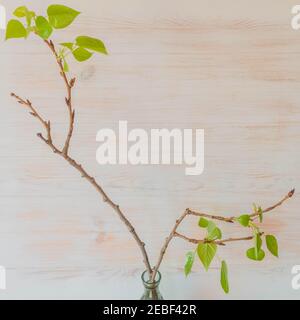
(149, 282)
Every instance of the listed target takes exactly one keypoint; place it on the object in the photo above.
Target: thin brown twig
(210, 216)
(221, 242)
(233, 218)
(69, 85)
(167, 242)
(279, 203)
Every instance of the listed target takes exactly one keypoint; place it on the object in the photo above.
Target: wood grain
(231, 68)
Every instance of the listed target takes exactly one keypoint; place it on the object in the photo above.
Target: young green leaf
(206, 253)
(244, 220)
(211, 226)
(65, 65)
(189, 260)
(224, 277)
(80, 54)
(214, 234)
(257, 244)
(203, 223)
(15, 29)
(43, 27)
(61, 16)
(68, 45)
(272, 244)
(30, 15)
(21, 12)
(91, 44)
(260, 214)
(251, 254)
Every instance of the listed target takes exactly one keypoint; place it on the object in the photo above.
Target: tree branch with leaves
(82, 49)
(207, 247)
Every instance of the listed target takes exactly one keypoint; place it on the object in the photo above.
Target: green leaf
(15, 29)
(224, 277)
(61, 16)
(66, 66)
(43, 27)
(251, 254)
(21, 12)
(29, 17)
(68, 45)
(272, 244)
(91, 44)
(203, 223)
(206, 253)
(189, 260)
(80, 54)
(244, 220)
(258, 243)
(214, 234)
(211, 226)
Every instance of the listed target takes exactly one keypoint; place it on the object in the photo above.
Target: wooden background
(230, 67)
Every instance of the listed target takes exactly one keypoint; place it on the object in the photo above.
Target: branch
(167, 242)
(253, 215)
(286, 197)
(69, 85)
(209, 216)
(27, 103)
(64, 152)
(86, 176)
(217, 242)
(187, 212)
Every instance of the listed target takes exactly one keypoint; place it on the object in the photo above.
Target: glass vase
(151, 288)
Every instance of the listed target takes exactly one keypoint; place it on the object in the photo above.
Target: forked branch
(69, 85)
(64, 153)
(221, 242)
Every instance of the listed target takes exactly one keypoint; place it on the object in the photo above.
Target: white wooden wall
(230, 67)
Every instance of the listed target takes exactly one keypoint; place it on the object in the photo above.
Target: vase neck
(151, 288)
(148, 283)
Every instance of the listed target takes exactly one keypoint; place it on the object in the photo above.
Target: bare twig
(232, 219)
(167, 242)
(221, 242)
(69, 85)
(210, 216)
(64, 153)
(279, 203)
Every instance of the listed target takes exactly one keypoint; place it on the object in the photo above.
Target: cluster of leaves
(256, 252)
(206, 250)
(58, 17)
